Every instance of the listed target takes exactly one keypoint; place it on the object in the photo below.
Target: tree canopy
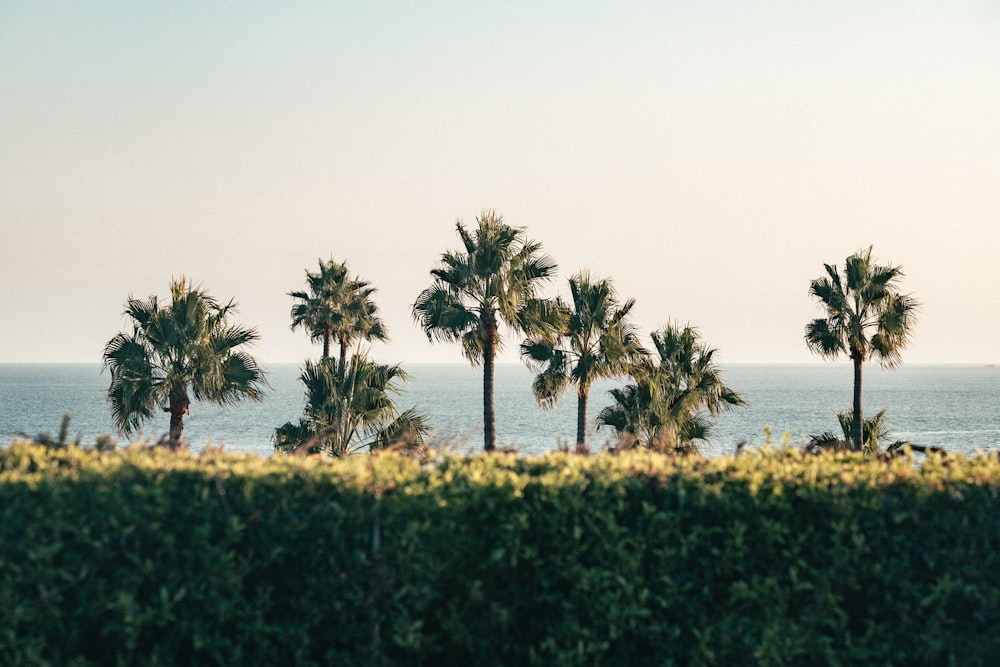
(177, 351)
(668, 406)
(337, 306)
(353, 408)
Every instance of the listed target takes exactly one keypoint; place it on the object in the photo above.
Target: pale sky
(707, 156)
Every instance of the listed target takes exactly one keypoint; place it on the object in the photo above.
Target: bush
(152, 557)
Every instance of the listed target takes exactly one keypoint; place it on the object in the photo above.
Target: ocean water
(954, 407)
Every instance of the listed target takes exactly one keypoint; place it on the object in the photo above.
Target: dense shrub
(150, 557)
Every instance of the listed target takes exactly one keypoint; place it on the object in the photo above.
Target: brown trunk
(489, 352)
(342, 340)
(326, 343)
(581, 418)
(179, 404)
(856, 425)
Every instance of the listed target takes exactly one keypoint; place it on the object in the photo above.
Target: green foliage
(494, 278)
(352, 408)
(668, 406)
(151, 557)
(176, 351)
(337, 306)
(874, 430)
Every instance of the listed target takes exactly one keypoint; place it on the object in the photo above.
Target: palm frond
(537, 353)
(135, 391)
(472, 346)
(552, 381)
(824, 338)
(410, 429)
(441, 316)
(300, 438)
(537, 318)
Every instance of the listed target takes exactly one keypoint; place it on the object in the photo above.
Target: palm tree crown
(174, 352)
(337, 307)
(666, 407)
(597, 340)
(866, 317)
(350, 409)
(495, 278)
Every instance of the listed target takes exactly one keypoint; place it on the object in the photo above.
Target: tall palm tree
(866, 317)
(174, 352)
(669, 404)
(495, 279)
(317, 309)
(337, 307)
(350, 409)
(597, 341)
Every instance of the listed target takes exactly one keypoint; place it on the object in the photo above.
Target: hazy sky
(707, 156)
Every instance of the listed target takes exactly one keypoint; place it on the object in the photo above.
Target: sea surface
(954, 407)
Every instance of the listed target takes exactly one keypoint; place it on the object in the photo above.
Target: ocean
(954, 407)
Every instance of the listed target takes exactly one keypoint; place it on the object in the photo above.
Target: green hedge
(156, 558)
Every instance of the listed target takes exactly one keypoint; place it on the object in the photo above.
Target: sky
(708, 157)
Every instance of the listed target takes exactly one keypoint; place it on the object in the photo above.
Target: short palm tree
(597, 341)
(175, 352)
(351, 409)
(668, 406)
(874, 431)
(866, 317)
(337, 307)
(494, 279)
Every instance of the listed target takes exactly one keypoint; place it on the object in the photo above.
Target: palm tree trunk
(179, 404)
(489, 352)
(581, 418)
(856, 434)
(347, 414)
(326, 343)
(342, 340)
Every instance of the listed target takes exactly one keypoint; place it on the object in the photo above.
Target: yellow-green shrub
(152, 557)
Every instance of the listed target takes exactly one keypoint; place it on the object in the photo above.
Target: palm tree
(866, 316)
(318, 307)
(174, 352)
(337, 306)
(350, 409)
(597, 341)
(874, 431)
(668, 406)
(494, 280)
